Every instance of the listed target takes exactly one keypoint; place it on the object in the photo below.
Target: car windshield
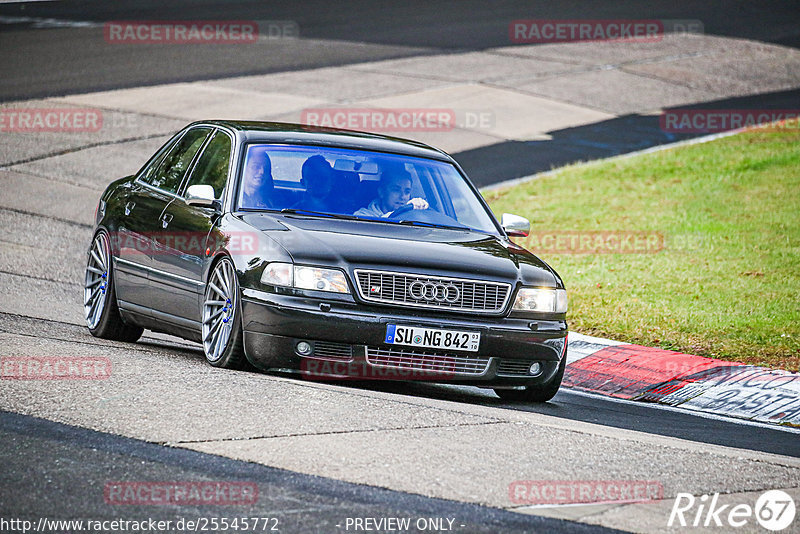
(358, 184)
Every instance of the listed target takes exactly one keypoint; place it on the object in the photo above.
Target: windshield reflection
(357, 184)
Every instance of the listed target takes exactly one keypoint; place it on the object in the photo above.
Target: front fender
(250, 249)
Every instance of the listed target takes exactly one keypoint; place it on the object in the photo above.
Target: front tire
(541, 393)
(222, 318)
(100, 308)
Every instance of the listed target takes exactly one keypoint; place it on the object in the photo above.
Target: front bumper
(348, 342)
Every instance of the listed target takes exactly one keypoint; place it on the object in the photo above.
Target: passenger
(258, 188)
(344, 191)
(317, 178)
(394, 192)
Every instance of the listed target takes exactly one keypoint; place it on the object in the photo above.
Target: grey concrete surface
(589, 54)
(59, 53)
(530, 451)
(194, 101)
(63, 302)
(78, 463)
(52, 197)
(513, 115)
(51, 255)
(96, 166)
(505, 100)
(737, 68)
(113, 126)
(475, 67)
(140, 400)
(333, 84)
(616, 91)
(436, 448)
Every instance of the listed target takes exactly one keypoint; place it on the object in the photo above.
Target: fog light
(303, 348)
(535, 369)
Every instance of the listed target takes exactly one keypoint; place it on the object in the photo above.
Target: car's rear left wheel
(99, 297)
(222, 318)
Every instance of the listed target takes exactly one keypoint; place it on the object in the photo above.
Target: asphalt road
(629, 415)
(568, 404)
(76, 465)
(58, 470)
(49, 56)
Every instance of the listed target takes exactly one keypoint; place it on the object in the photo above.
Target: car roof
(284, 132)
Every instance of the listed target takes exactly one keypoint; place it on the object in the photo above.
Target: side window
(148, 172)
(170, 173)
(212, 167)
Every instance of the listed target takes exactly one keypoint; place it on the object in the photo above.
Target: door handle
(129, 207)
(166, 218)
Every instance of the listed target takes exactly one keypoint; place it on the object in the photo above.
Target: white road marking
(44, 23)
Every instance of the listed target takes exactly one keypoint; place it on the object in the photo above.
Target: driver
(258, 188)
(317, 177)
(394, 191)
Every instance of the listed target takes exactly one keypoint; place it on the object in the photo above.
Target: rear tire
(222, 318)
(541, 393)
(100, 308)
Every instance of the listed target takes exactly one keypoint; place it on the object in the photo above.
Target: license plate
(433, 338)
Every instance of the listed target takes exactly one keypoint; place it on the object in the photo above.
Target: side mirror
(201, 195)
(515, 226)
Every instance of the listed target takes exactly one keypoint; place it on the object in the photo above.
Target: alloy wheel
(96, 286)
(219, 310)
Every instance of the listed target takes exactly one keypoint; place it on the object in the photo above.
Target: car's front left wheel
(99, 297)
(222, 318)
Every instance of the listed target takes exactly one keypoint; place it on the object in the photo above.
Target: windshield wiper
(297, 211)
(293, 211)
(432, 225)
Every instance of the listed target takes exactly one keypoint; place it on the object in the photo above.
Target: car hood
(354, 245)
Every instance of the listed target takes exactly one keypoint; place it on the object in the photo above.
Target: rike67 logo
(774, 510)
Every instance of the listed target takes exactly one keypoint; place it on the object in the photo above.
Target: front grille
(452, 364)
(508, 367)
(453, 294)
(333, 351)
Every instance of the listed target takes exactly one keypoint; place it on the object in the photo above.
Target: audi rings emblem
(434, 291)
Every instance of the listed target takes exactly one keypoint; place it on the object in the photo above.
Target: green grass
(726, 283)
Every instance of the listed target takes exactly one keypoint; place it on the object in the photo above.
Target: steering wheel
(405, 208)
(428, 215)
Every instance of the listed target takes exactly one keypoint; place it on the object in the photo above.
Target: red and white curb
(691, 382)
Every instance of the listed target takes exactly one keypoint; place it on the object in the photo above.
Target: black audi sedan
(330, 253)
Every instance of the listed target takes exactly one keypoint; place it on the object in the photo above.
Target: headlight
(278, 274)
(320, 279)
(303, 277)
(541, 300)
